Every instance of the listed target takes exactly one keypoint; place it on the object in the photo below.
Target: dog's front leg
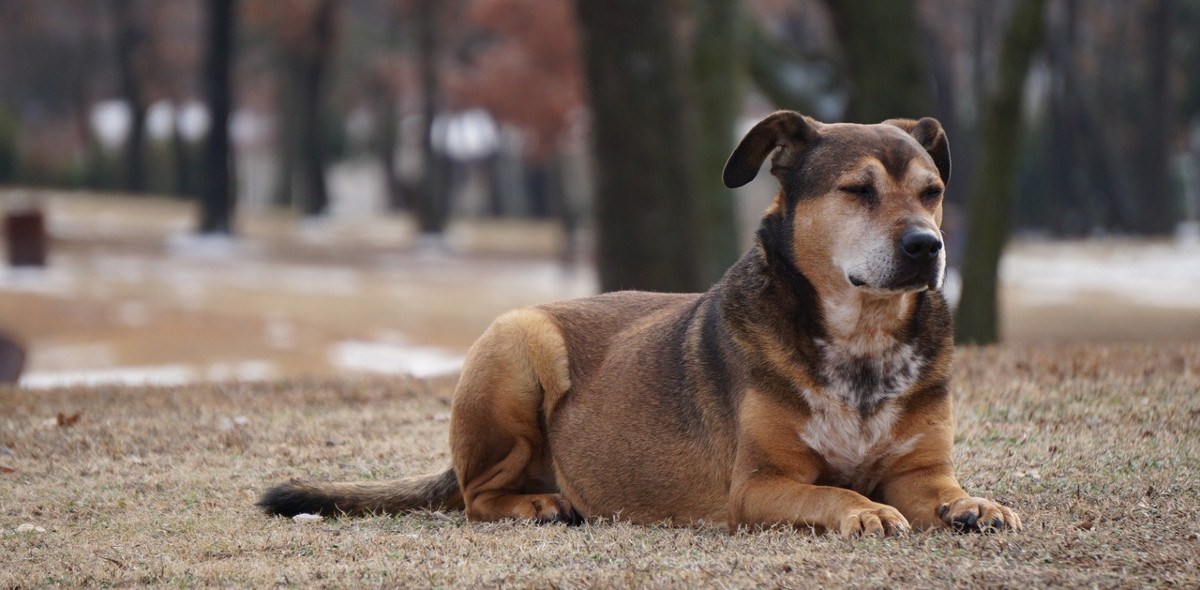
(775, 474)
(765, 499)
(930, 497)
(921, 484)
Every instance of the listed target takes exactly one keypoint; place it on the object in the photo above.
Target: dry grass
(1097, 446)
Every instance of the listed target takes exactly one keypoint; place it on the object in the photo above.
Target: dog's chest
(865, 375)
(853, 414)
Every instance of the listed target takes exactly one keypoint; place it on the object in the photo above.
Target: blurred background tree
(1003, 125)
(646, 213)
(444, 110)
(217, 199)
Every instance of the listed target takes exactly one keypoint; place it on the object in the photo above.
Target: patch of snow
(161, 375)
(208, 246)
(1160, 274)
(253, 370)
(394, 359)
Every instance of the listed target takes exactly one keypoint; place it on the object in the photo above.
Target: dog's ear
(929, 133)
(789, 131)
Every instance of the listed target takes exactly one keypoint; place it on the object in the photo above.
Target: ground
(1097, 447)
(284, 354)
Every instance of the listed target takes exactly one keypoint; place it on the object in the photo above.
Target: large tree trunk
(881, 45)
(719, 58)
(990, 215)
(645, 209)
(217, 201)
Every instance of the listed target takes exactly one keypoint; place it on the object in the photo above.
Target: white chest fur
(854, 448)
(854, 412)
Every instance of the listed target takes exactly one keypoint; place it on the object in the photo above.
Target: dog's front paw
(876, 519)
(978, 514)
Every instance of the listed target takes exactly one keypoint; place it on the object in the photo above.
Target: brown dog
(807, 387)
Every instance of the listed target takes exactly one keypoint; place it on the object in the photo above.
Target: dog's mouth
(903, 281)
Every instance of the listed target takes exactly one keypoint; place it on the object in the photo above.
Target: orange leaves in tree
(527, 72)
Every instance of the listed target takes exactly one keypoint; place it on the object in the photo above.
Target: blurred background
(265, 189)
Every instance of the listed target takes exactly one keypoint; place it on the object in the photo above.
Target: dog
(808, 387)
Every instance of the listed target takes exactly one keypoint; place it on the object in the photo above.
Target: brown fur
(808, 387)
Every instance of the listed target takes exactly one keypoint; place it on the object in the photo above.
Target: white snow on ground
(158, 375)
(164, 375)
(1161, 274)
(394, 359)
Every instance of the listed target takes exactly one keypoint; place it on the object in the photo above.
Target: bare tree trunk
(312, 82)
(287, 127)
(1002, 127)
(433, 206)
(1159, 209)
(719, 57)
(182, 154)
(131, 34)
(645, 212)
(1068, 208)
(217, 200)
(882, 51)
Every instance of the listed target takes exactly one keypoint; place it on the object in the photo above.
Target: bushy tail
(437, 491)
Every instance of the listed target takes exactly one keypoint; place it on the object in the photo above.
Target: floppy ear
(928, 132)
(789, 131)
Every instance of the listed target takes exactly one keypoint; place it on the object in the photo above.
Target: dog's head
(861, 204)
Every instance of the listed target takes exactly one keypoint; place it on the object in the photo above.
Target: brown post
(25, 236)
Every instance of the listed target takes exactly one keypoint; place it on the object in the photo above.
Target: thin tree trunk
(433, 207)
(217, 201)
(990, 216)
(645, 209)
(1159, 208)
(130, 36)
(311, 89)
(719, 57)
(288, 130)
(181, 152)
(387, 142)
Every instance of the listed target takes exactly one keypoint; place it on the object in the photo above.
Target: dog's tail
(438, 491)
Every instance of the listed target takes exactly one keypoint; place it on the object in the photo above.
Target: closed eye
(931, 193)
(864, 191)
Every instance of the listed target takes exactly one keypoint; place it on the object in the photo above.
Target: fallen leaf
(7, 469)
(1086, 525)
(304, 518)
(30, 528)
(67, 421)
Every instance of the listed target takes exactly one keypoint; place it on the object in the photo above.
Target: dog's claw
(966, 521)
(878, 521)
(978, 514)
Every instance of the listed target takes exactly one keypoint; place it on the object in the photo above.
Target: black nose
(921, 244)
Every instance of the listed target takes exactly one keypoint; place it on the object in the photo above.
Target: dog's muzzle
(920, 259)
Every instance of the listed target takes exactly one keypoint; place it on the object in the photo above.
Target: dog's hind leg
(516, 370)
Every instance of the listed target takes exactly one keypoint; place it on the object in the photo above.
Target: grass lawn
(1097, 447)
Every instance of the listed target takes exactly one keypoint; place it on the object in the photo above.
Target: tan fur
(807, 388)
